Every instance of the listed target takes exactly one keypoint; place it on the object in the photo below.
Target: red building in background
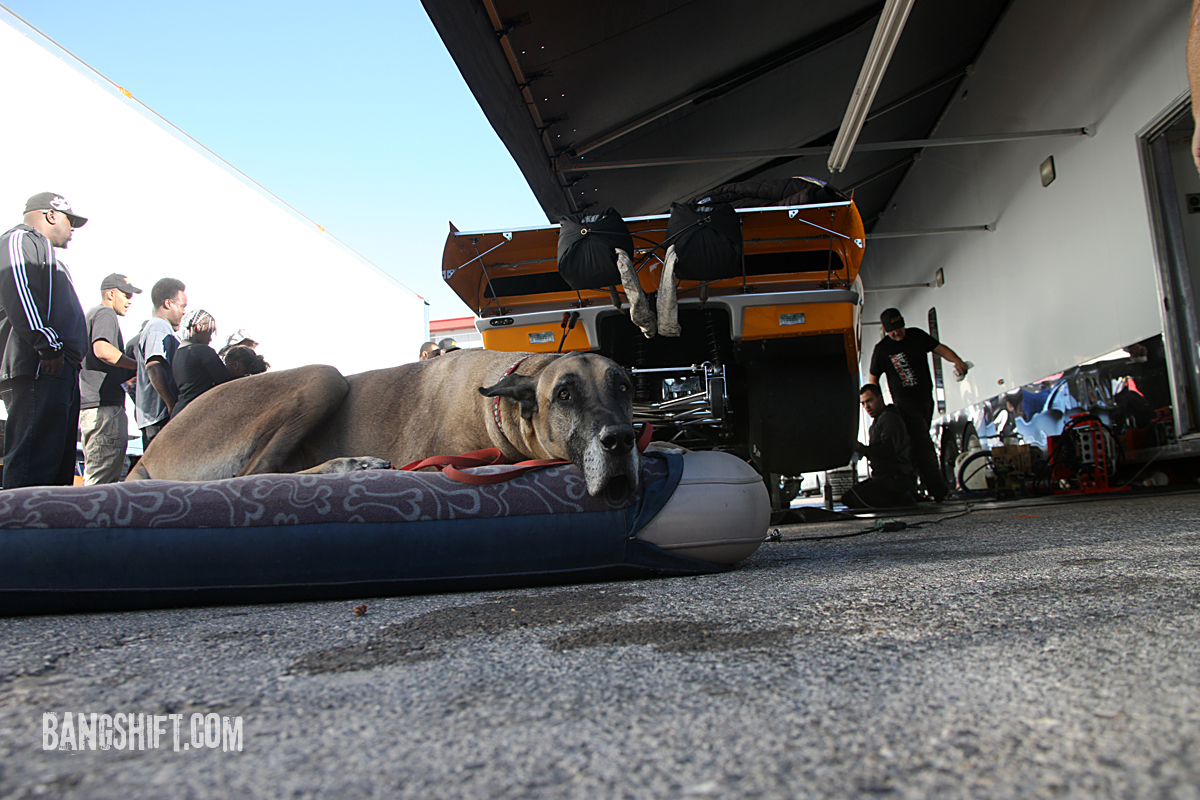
(460, 329)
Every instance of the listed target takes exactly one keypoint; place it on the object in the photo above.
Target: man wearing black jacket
(44, 336)
(892, 478)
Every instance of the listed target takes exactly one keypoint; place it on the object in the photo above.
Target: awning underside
(722, 87)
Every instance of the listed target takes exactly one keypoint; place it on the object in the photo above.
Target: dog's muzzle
(611, 462)
(617, 439)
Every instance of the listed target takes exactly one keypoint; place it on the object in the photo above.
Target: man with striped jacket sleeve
(43, 335)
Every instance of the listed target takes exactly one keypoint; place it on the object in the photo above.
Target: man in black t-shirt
(103, 426)
(903, 355)
(196, 366)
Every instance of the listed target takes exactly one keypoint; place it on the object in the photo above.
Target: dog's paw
(367, 462)
(352, 464)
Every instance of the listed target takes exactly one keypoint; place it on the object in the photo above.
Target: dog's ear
(520, 388)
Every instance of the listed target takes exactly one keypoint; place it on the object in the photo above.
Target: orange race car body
(767, 362)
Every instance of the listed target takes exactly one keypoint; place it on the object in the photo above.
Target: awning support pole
(929, 232)
(564, 164)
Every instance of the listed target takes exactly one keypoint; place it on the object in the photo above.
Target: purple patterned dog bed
(272, 538)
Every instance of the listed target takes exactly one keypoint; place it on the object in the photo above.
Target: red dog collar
(496, 399)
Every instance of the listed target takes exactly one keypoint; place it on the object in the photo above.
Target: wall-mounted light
(883, 44)
(1047, 169)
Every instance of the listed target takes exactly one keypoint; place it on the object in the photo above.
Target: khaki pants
(104, 436)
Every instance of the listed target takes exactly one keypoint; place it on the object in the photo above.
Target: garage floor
(1039, 650)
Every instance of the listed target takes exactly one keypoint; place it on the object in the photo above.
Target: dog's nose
(617, 440)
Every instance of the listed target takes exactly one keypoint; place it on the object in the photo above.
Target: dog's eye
(563, 394)
(622, 388)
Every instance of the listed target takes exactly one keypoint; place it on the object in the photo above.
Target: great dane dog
(312, 419)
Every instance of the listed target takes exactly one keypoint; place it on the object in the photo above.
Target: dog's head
(581, 408)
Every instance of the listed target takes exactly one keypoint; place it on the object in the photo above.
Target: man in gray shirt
(156, 346)
(103, 426)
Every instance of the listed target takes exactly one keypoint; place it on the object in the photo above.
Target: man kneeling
(893, 478)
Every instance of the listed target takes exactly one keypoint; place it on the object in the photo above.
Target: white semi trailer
(160, 204)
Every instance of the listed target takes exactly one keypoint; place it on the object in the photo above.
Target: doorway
(1173, 197)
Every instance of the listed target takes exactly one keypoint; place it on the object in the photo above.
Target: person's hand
(961, 369)
(52, 366)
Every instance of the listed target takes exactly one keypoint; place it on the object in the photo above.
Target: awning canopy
(592, 98)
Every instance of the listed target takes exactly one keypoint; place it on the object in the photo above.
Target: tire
(803, 414)
(970, 439)
(716, 397)
(788, 489)
(948, 452)
(782, 490)
(969, 468)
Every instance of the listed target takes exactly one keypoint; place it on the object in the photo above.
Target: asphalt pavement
(1019, 650)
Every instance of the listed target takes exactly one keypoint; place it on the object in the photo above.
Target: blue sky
(359, 119)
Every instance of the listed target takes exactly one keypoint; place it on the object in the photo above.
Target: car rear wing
(499, 273)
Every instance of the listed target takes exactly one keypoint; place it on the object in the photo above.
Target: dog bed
(280, 538)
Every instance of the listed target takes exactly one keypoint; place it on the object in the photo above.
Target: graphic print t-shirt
(906, 364)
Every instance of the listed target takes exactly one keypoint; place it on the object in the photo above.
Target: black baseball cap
(892, 320)
(56, 202)
(118, 281)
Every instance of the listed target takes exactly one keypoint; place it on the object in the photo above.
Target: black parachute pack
(762, 192)
(707, 240)
(587, 249)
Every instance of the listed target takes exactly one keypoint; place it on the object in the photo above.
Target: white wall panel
(1069, 272)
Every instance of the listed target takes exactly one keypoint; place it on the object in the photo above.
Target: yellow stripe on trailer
(534, 339)
(805, 319)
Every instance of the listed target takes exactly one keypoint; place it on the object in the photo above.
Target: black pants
(918, 414)
(41, 429)
(878, 493)
(150, 431)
